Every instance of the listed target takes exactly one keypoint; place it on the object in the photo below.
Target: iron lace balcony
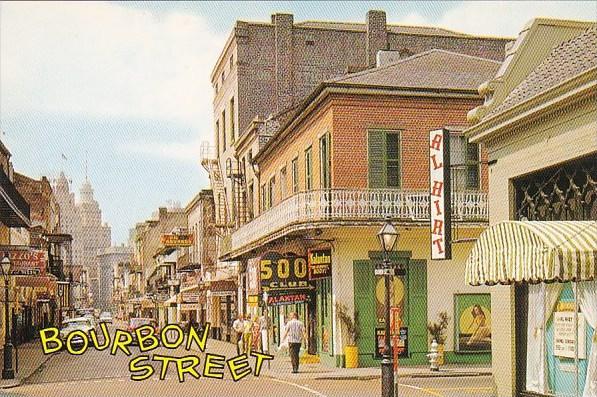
(318, 207)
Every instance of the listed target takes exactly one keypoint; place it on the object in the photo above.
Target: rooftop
(433, 69)
(565, 61)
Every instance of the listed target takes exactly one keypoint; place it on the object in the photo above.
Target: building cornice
(561, 95)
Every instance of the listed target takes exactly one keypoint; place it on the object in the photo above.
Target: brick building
(45, 211)
(351, 154)
(268, 68)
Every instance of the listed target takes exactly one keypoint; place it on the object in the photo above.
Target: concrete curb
(440, 374)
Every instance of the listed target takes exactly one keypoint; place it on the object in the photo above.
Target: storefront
(552, 267)
(222, 297)
(540, 253)
(293, 284)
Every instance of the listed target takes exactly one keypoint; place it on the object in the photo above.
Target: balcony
(14, 210)
(344, 206)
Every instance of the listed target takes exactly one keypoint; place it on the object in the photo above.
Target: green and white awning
(534, 252)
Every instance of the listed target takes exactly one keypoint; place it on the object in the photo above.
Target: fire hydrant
(433, 356)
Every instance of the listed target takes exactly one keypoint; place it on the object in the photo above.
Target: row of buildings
(322, 133)
(58, 247)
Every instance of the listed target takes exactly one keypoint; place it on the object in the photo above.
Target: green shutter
(392, 160)
(376, 158)
(417, 308)
(364, 303)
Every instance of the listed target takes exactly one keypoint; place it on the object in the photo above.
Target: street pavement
(98, 374)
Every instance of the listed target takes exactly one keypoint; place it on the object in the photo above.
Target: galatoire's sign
(320, 264)
(284, 275)
(440, 213)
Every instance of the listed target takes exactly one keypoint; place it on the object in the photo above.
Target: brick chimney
(377, 35)
(283, 40)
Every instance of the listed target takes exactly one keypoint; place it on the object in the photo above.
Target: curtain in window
(587, 300)
(542, 301)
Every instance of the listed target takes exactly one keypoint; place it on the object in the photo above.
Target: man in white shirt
(295, 332)
(238, 326)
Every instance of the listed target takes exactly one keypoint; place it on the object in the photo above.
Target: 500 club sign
(284, 274)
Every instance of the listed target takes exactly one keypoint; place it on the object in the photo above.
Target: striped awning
(534, 252)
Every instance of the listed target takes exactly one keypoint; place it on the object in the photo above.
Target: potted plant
(350, 326)
(438, 332)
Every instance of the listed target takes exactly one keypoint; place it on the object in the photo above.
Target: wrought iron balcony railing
(335, 205)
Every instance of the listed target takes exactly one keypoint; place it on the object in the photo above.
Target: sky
(124, 87)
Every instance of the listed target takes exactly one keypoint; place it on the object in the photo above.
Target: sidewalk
(30, 358)
(280, 368)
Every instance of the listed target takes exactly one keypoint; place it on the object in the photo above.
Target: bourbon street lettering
(172, 337)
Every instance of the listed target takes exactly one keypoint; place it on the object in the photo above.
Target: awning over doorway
(534, 252)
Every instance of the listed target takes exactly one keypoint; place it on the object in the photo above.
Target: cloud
(503, 18)
(105, 60)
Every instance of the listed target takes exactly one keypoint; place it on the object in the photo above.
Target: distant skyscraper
(83, 220)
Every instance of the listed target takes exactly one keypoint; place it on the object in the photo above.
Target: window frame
(384, 157)
(295, 175)
(309, 168)
(283, 182)
(223, 119)
(271, 191)
(466, 165)
(232, 125)
(325, 163)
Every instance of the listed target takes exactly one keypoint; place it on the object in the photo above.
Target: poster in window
(472, 323)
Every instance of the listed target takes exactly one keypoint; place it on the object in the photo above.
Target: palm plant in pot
(437, 330)
(350, 327)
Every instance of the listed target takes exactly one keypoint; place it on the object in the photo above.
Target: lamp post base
(387, 377)
(8, 372)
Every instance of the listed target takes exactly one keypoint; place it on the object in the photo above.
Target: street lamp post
(388, 236)
(7, 371)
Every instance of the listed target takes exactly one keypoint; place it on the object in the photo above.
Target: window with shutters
(218, 136)
(384, 159)
(309, 168)
(232, 132)
(464, 160)
(324, 161)
(272, 192)
(283, 183)
(263, 199)
(250, 201)
(223, 119)
(295, 175)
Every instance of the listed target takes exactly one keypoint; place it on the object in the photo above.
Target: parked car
(75, 324)
(92, 320)
(137, 322)
(105, 317)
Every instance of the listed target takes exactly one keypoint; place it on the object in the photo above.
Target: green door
(414, 306)
(417, 310)
(325, 339)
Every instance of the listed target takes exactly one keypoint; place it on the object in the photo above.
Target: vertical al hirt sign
(440, 212)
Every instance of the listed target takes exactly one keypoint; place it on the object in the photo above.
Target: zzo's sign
(440, 194)
(283, 273)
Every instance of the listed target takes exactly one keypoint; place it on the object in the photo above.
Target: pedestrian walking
(295, 332)
(255, 337)
(238, 327)
(247, 336)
